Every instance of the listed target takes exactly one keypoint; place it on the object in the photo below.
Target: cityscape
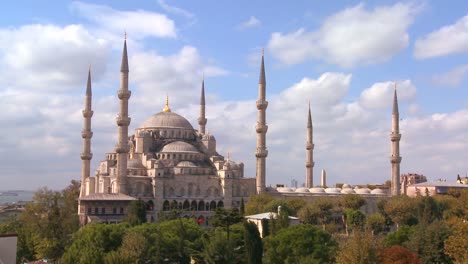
(136, 128)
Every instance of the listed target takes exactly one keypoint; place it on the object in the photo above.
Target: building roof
(107, 197)
(166, 120)
(267, 216)
(439, 184)
(179, 146)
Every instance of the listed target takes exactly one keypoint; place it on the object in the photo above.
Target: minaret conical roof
(309, 119)
(262, 71)
(395, 102)
(202, 97)
(88, 86)
(124, 64)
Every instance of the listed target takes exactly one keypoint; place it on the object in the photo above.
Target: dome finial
(166, 108)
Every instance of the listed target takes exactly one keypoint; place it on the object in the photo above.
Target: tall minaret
(309, 153)
(261, 152)
(123, 121)
(202, 119)
(395, 137)
(86, 134)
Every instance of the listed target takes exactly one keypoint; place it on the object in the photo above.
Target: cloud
(348, 38)
(448, 40)
(174, 9)
(139, 23)
(377, 96)
(49, 57)
(451, 78)
(250, 23)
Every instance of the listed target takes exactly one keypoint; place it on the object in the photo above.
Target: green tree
(217, 249)
(400, 236)
(242, 208)
(350, 201)
(402, 210)
(355, 219)
(253, 243)
(301, 243)
(136, 213)
(225, 218)
(134, 247)
(257, 204)
(375, 222)
(456, 244)
(360, 248)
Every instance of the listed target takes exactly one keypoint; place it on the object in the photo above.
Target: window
(121, 210)
(96, 210)
(90, 210)
(103, 210)
(114, 210)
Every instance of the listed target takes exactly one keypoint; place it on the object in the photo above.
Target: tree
(375, 222)
(136, 213)
(257, 204)
(350, 201)
(360, 248)
(294, 205)
(253, 243)
(400, 236)
(298, 244)
(225, 218)
(317, 212)
(217, 249)
(134, 247)
(242, 208)
(355, 219)
(399, 255)
(402, 210)
(456, 244)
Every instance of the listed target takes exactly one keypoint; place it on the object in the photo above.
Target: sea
(23, 196)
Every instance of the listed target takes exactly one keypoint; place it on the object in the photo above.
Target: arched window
(149, 205)
(174, 204)
(186, 205)
(213, 205)
(193, 206)
(201, 206)
(220, 204)
(166, 206)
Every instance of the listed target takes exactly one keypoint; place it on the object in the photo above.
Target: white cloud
(350, 37)
(451, 39)
(452, 78)
(378, 95)
(49, 57)
(174, 9)
(139, 24)
(250, 23)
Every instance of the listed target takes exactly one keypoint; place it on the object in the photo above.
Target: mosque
(169, 164)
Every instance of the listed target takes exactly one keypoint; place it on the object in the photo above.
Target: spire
(166, 108)
(202, 97)
(395, 101)
(262, 70)
(88, 86)
(309, 119)
(124, 65)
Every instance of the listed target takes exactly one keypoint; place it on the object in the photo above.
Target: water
(22, 196)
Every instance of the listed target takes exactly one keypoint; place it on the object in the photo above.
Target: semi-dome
(179, 146)
(186, 164)
(362, 191)
(317, 190)
(347, 191)
(302, 189)
(166, 120)
(332, 190)
(377, 191)
(284, 189)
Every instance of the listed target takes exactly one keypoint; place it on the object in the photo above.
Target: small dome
(166, 120)
(346, 186)
(332, 190)
(186, 164)
(317, 190)
(135, 164)
(347, 191)
(179, 146)
(284, 189)
(378, 191)
(362, 191)
(302, 189)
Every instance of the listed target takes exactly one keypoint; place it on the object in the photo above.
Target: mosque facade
(168, 164)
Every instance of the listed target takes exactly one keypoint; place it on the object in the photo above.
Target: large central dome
(167, 120)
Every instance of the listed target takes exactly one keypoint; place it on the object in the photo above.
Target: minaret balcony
(121, 148)
(124, 94)
(261, 153)
(86, 133)
(123, 120)
(86, 156)
(395, 137)
(87, 113)
(202, 121)
(261, 128)
(310, 146)
(310, 164)
(395, 159)
(262, 104)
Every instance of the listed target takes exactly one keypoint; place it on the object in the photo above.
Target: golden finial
(166, 108)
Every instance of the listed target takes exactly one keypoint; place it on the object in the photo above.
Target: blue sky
(342, 56)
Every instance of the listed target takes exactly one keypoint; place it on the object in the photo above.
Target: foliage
(317, 212)
(299, 243)
(399, 255)
(375, 222)
(360, 248)
(225, 218)
(352, 201)
(294, 205)
(136, 213)
(428, 210)
(355, 218)
(402, 210)
(218, 249)
(257, 204)
(399, 237)
(281, 221)
(252, 243)
(456, 244)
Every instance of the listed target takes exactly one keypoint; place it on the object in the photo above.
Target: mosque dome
(166, 120)
(317, 190)
(179, 146)
(378, 191)
(284, 189)
(347, 191)
(302, 189)
(332, 190)
(363, 191)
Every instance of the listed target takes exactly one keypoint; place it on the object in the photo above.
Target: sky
(341, 56)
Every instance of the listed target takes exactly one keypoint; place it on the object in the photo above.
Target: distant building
(434, 187)
(260, 219)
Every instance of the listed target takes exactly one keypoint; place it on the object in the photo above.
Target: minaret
(261, 152)
(395, 137)
(324, 179)
(309, 153)
(122, 122)
(202, 119)
(86, 134)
